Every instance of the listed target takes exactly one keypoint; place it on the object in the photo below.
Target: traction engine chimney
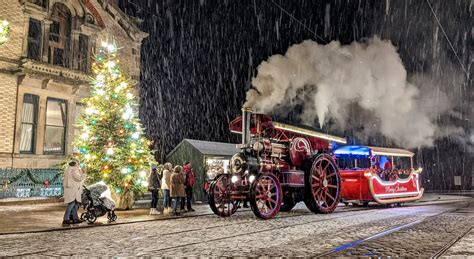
(246, 116)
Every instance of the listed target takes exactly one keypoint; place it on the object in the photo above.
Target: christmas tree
(111, 143)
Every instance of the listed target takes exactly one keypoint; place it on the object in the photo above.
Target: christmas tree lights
(111, 143)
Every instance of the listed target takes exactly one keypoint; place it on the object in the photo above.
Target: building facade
(44, 70)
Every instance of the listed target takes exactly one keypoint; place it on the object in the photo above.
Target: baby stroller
(97, 201)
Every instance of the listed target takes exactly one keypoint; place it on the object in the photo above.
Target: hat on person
(74, 160)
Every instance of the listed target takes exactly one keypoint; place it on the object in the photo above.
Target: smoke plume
(362, 82)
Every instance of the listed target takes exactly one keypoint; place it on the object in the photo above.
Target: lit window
(29, 120)
(55, 130)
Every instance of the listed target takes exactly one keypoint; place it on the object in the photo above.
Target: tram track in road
(450, 244)
(346, 214)
(253, 220)
(339, 250)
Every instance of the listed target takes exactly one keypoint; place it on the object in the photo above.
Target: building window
(42, 3)
(59, 36)
(29, 119)
(34, 39)
(136, 56)
(55, 131)
(83, 53)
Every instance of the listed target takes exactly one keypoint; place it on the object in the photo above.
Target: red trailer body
(373, 182)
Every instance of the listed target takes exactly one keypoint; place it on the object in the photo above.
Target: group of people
(177, 185)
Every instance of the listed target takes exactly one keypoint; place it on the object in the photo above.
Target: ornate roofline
(94, 13)
(123, 20)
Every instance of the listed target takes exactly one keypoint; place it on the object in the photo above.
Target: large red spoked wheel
(265, 196)
(219, 197)
(322, 185)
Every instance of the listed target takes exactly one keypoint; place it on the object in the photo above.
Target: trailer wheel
(322, 185)
(219, 197)
(265, 196)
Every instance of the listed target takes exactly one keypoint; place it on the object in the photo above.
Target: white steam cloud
(333, 80)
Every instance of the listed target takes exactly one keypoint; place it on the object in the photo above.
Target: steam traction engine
(279, 166)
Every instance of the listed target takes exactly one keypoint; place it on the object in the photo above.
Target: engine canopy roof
(262, 122)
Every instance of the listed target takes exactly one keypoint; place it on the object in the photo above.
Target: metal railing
(23, 183)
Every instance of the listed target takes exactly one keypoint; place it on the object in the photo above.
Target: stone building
(44, 71)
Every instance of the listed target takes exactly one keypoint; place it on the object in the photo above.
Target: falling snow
(200, 57)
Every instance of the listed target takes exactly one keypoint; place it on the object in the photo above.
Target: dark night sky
(199, 59)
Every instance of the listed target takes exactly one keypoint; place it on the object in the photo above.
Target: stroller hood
(100, 193)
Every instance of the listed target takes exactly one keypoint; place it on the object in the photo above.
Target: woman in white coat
(72, 183)
(165, 186)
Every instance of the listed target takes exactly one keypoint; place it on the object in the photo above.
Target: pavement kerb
(105, 225)
(7, 202)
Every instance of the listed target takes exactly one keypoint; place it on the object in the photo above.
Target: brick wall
(11, 11)
(10, 53)
(7, 116)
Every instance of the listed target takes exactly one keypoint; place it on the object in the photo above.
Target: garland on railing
(30, 176)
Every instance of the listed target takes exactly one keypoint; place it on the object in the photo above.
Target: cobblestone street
(422, 229)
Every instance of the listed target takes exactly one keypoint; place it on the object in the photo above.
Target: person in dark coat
(190, 180)
(177, 187)
(154, 185)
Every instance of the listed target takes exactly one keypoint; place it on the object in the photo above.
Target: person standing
(154, 185)
(72, 184)
(165, 186)
(177, 187)
(189, 183)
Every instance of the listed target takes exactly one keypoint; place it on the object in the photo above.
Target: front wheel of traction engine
(219, 197)
(265, 196)
(322, 185)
